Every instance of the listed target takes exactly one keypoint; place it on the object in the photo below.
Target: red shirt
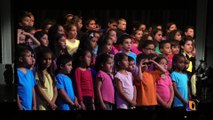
(84, 83)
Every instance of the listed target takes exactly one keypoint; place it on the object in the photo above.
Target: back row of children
(107, 71)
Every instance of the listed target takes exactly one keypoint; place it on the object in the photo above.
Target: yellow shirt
(47, 89)
(190, 63)
(72, 46)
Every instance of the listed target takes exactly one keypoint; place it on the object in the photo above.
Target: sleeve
(156, 74)
(173, 77)
(34, 83)
(78, 82)
(100, 75)
(59, 82)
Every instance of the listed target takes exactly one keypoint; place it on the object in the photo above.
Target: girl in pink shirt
(104, 84)
(165, 92)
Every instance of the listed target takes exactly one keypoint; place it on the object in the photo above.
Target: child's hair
(40, 55)
(171, 35)
(103, 41)
(22, 50)
(118, 58)
(175, 59)
(188, 27)
(185, 40)
(122, 38)
(162, 43)
(78, 55)
(159, 58)
(62, 60)
(144, 44)
(174, 43)
(101, 59)
(130, 59)
(140, 57)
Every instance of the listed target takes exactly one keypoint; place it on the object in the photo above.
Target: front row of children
(145, 89)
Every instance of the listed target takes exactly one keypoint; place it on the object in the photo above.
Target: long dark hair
(101, 59)
(40, 68)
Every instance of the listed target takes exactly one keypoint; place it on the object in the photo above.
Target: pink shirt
(127, 84)
(107, 88)
(163, 85)
(135, 50)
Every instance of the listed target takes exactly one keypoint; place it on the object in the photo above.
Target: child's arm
(162, 103)
(65, 97)
(55, 94)
(189, 92)
(44, 97)
(138, 76)
(34, 99)
(37, 43)
(135, 94)
(121, 92)
(78, 79)
(171, 95)
(178, 95)
(19, 103)
(99, 95)
(159, 66)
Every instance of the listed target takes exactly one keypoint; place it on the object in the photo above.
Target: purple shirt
(107, 88)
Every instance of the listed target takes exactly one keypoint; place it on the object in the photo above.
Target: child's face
(79, 24)
(125, 63)
(163, 63)
(127, 44)
(176, 49)
(122, 25)
(21, 38)
(25, 21)
(113, 25)
(181, 63)
(68, 67)
(190, 32)
(44, 40)
(93, 42)
(32, 20)
(145, 65)
(142, 27)
(158, 36)
(108, 65)
(108, 47)
(131, 66)
(178, 36)
(47, 60)
(139, 34)
(46, 29)
(166, 49)
(26, 59)
(113, 36)
(188, 47)
(62, 42)
(88, 58)
(149, 49)
(29, 42)
(172, 27)
(72, 33)
(91, 25)
(61, 30)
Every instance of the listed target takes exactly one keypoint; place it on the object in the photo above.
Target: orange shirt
(146, 89)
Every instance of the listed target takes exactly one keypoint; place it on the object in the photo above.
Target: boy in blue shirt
(66, 97)
(26, 96)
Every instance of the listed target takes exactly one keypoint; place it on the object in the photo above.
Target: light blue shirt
(181, 80)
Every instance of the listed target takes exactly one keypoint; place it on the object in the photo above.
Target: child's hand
(53, 106)
(83, 106)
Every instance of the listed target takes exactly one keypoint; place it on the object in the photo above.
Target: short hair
(162, 43)
(188, 27)
(62, 60)
(123, 37)
(174, 43)
(130, 58)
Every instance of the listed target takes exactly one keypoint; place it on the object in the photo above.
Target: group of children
(72, 70)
